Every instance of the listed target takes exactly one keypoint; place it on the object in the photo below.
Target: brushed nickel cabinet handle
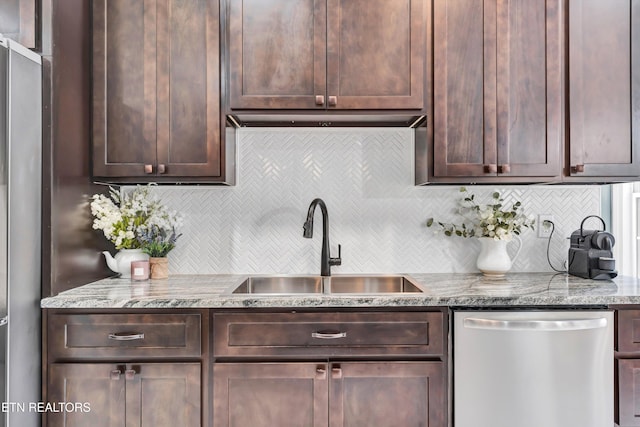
(328, 335)
(577, 168)
(321, 373)
(115, 374)
(319, 99)
(504, 168)
(129, 374)
(336, 372)
(162, 168)
(333, 101)
(490, 168)
(126, 336)
(148, 168)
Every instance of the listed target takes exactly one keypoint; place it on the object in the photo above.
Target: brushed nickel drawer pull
(319, 100)
(115, 374)
(328, 335)
(333, 101)
(126, 336)
(148, 168)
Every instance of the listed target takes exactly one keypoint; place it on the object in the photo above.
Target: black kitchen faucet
(326, 261)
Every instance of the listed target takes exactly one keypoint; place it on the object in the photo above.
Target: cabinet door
(18, 21)
(604, 87)
(101, 386)
(159, 395)
(628, 390)
(464, 70)
(387, 394)
(497, 88)
(124, 87)
(529, 87)
(156, 83)
(270, 394)
(277, 54)
(188, 88)
(376, 52)
(163, 395)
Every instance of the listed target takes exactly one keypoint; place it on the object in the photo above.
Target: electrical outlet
(544, 230)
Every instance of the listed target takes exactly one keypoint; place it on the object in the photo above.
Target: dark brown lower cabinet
(335, 394)
(628, 366)
(629, 390)
(131, 394)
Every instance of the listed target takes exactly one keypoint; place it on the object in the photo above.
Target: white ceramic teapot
(121, 263)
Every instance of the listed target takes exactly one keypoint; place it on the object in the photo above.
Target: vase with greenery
(123, 217)
(494, 224)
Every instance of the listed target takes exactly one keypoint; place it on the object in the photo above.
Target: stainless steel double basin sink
(347, 284)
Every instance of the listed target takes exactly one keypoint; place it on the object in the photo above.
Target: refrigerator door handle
(535, 325)
(4, 320)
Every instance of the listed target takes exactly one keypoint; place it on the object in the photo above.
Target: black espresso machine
(590, 254)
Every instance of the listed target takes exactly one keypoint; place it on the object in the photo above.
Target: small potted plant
(494, 224)
(157, 242)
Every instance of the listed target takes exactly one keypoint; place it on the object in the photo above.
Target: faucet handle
(337, 261)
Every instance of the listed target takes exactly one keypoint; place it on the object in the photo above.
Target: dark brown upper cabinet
(327, 54)
(156, 91)
(604, 88)
(497, 92)
(18, 21)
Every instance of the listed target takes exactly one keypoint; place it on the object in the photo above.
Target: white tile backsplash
(365, 176)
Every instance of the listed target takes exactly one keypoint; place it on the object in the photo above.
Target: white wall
(365, 176)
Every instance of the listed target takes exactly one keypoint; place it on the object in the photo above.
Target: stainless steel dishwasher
(533, 368)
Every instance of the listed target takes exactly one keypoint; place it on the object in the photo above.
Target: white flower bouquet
(124, 218)
(491, 220)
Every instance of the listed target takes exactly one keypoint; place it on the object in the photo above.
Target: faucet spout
(326, 261)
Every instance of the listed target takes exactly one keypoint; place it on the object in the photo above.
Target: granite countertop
(443, 289)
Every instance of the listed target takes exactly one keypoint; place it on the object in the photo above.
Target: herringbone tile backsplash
(365, 176)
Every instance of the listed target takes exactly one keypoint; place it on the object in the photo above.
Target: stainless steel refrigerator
(20, 232)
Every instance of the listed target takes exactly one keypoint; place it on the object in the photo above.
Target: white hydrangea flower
(122, 217)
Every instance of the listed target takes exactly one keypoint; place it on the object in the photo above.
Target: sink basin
(280, 285)
(294, 285)
(372, 285)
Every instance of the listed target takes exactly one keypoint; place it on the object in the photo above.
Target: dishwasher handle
(535, 325)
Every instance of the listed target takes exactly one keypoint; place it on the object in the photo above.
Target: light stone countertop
(443, 289)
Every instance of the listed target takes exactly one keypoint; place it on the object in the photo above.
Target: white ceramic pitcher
(494, 259)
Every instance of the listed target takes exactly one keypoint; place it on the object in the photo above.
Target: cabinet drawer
(628, 331)
(113, 336)
(328, 334)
